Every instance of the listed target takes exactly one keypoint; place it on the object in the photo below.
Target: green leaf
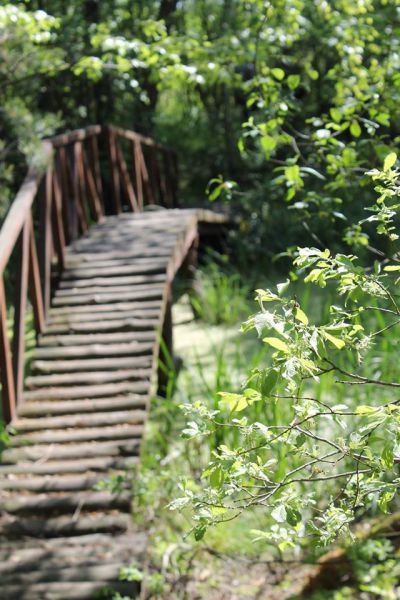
(391, 268)
(277, 343)
(338, 343)
(268, 144)
(355, 129)
(217, 478)
(363, 409)
(278, 73)
(234, 402)
(269, 381)
(282, 287)
(293, 516)
(384, 500)
(301, 316)
(387, 457)
(279, 513)
(335, 114)
(389, 161)
(199, 533)
(293, 81)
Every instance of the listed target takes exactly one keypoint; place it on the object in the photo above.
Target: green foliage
(219, 296)
(321, 463)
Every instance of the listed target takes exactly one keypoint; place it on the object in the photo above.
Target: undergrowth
(218, 358)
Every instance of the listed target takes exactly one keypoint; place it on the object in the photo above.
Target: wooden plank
(87, 316)
(21, 292)
(90, 327)
(6, 369)
(19, 212)
(51, 483)
(35, 290)
(98, 542)
(149, 197)
(118, 307)
(57, 467)
(58, 228)
(97, 572)
(138, 173)
(129, 191)
(116, 289)
(77, 451)
(79, 590)
(94, 198)
(112, 281)
(82, 434)
(154, 291)
(45, 240)
(70, 217)
(117, 417)
(93, 338)
(115, 181)
(60, 407)
(74, 136)
(88, 391)
(95, 165)
(87, 272)
(89, 378)
(92, 350)
(97, 364)
(79, 186)
(65, 525)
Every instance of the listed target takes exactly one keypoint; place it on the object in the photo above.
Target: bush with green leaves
(314, 464)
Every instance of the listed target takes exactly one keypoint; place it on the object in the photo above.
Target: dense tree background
(291, 99)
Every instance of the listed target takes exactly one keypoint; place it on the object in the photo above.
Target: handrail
(91, 174)
(19, 210)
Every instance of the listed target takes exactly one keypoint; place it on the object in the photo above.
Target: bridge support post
(6, 369)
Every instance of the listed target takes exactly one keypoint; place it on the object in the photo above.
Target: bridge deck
(84, 408)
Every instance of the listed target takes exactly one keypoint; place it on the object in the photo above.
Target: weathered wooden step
(114, 403)
(117, 325)
(80, 420)
(101, 308)
(101, 350)
(65, 525)
(122, 244)
(89, 377)
(59, 467)
(88, 364)
(95, 290)
(71, 551)
(65, 502)
(106, 572)
(79, 263)
(51, 483)
(109, 270)
(71, 590)
(55, 436)
(153, 291)
(88, 391)
(72, 319)
(121, 447)
(120, 337)
(130, 280)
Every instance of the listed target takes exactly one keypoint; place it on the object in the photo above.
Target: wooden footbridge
(81, 251)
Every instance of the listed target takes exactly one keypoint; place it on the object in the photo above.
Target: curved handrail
(91, 174)
(19, 210)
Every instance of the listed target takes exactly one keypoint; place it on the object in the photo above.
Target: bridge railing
(90, 172)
